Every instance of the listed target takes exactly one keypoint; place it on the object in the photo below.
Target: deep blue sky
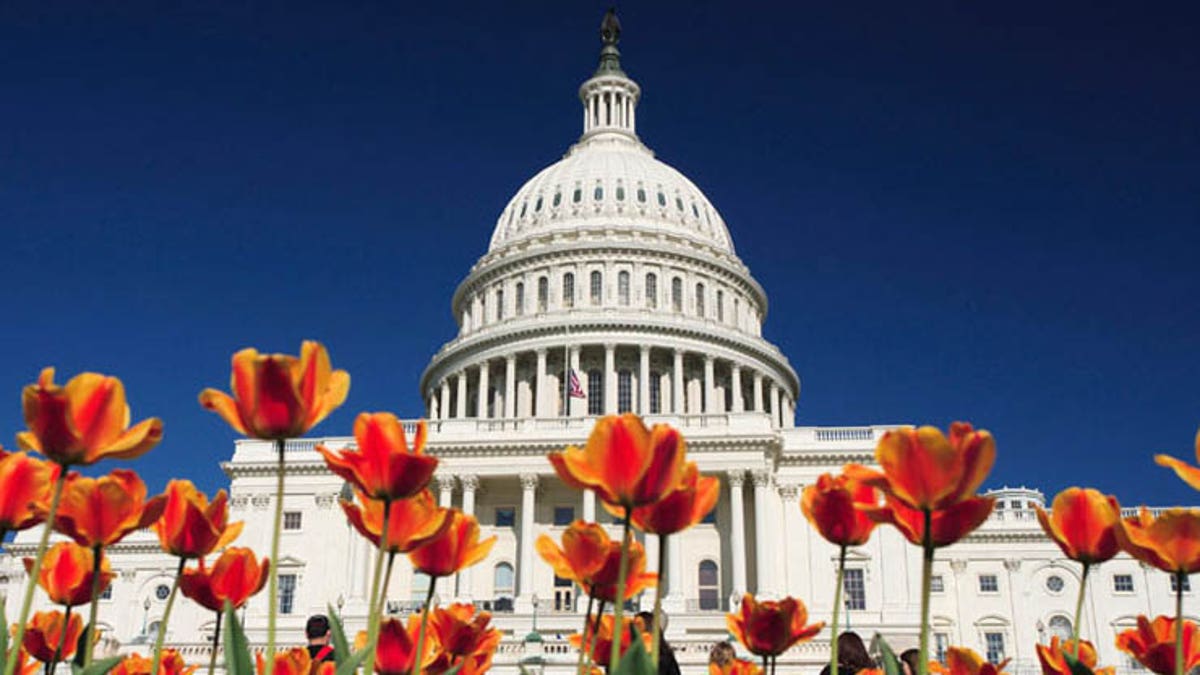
(958, 212)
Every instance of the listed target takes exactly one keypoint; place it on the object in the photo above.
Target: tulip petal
(1188, 473)
(224, 405)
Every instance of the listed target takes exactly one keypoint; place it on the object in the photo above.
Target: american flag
(576, 390)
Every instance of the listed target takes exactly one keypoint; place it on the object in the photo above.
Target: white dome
(611, 181)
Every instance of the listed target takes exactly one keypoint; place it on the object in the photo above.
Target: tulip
(98, 512)
(946, 526)
(1054, 657)
(600, 639)
(192, 527)
(743, 667)
(294, 661)
(383, 466)
(460, 630)
(1151, 643)
(67, 573)
(963, 661)
(234, 578)
(1190, 474)
(136, 664)
(52, 636)
(24, 490)
(24, 665)
(625, 463)
(768, 628)
(411, 522)
(584, 551)
(832, 505)
(397, 650)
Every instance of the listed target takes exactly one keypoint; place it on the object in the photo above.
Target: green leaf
(636, 661)
(99, 667)
(350, 664)
(237, 652)
(455, 669)
(1077, 666)
(891, 664)
(3, 628)
(341, 647)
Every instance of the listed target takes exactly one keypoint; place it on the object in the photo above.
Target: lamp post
(145, 614)
(534, 600)
(341, 602)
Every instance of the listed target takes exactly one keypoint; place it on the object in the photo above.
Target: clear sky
(981, 211)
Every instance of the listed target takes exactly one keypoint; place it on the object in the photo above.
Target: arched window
(677, 294)
(597, 286)
(499, 304)
(520, 298)
(655, 392)
(700, 300)
(623, 288)
(568, 290)
(503, 589)
(652, 290)
(709, 586)
(624, 391)
(543, 293)
(595, 392)
(1061, 626)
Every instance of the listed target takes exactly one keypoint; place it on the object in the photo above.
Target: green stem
(373, 600)
(58, 648)
(11, 664)
(387, 581)
(212, 658)
(162, 625)
(424, 622)
(90, 640)
(273, 577)
(587, 618)
(837, 606)
(1180, 577)
(591, 649)
(926, 581)
(619, 601)
(655, 638)
(1079, 609)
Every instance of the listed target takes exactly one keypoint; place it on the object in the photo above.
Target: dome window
(598, 193)
(578, 196)
(623, 288)
(695, 211)
(641, 195)
(537, 206)
(597, 287)
(620, 193)
(523, 205)
(651, 290)
(662, 201)
(557, 198)
(679, 204)
(568, 290)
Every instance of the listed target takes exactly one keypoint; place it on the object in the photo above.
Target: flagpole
(566, 383)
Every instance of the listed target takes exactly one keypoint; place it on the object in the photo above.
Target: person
(852, 655)
(667, 665)
(910, 661)
(720, 655)
(317, 631)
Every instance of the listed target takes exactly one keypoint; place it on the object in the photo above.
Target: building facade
(613, 267)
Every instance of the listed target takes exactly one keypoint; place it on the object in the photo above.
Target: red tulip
(455, 548)
(1152, 643)
(24, 490)
(190, 526)
(235, 578)
(101, 511)
(771, 628)
(1084, 524)
(833, 506)
(626, 464)
(67, 573)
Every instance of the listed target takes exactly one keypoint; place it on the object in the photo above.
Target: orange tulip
(947, 525)
(45, 634)
(190, 526)
(101, 511)
(830, 505)
(460, 630)
(83, 422)
(1054, 657)
(24, 665)
(625, 463)
(278, 396)
(1170, 541)
(743, 667)
(600, 641)
(592, 560)
(24, 490)
(396, 651)
(455, 548)
(1190, 474)
(1153, 644)
(1084, 523)
(294, 661)
(684, 506)
(235, 577)
(770, 628)
(963, 661)
(171, 663)
(925, 470)
(382, 466)
(411, 522)
(67, 573)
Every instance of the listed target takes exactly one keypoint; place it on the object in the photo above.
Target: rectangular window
(988, 583)
(287, 593)
(940, 642)
(854, 589)
(1187, 585)
(291, 520)
(700, 300)
(520, 298)
(595, 392)
(543, 293)
(506, 516)
(597, 288)
(677, 294)
(721, 306)
(623, 288)
(564, 515)
(655, 393)
(995, 647)
(651, 290)
(500, 304)
(568, 290)
(936, 584)
(1123, 583)
(624, 391)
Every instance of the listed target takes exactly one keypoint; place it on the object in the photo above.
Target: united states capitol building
(612, 266)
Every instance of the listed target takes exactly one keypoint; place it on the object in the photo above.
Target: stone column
(677, 390)
(446, 490)
(737, 535)
(481, 396)
(610, 378)
(674, 601)
(764, 530)
(589, 506)
(510, 386)
(444, 409)
(735, 382)
(470, 483)
(432, 407)
(758, 397)
(710, 396)
(539, 396)
(776, 413)
(644, 381)
(524, 602)
(462, 394)
(793, 523)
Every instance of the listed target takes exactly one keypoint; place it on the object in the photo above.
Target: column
(776, 414)
(737, 536)
(677, 389)
(510, 386)
(763, 554)
(539, 395)
(674, 600)
(758, 397)
(610, 379)
(795, 547)
(524, 602)
(644, 381)
(577, 406)
(736, 383)
(432, 410)
(462, 394)
(481, 396)
(444, 408)
(589, 506)
(710, 397)
(445, 491)
(470, 483)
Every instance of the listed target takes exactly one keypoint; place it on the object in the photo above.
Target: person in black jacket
(852, 655)
(667, 665)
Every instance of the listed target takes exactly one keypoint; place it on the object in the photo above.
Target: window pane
(1123, 583)
(855, 590)
(568, 290)
(651, 291)
(677, 294)
(506, 516)
(287, 593)
(995, 647)
(936, 584)
(595, 392)
(709, 586)
(500, 304)
(623, 288)
(291, 520)
(564, 515)
(597, 287)
(700, 300)
(655, 393)
(988, 583)
(543, 293)
(624, 391)
(520, 299)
